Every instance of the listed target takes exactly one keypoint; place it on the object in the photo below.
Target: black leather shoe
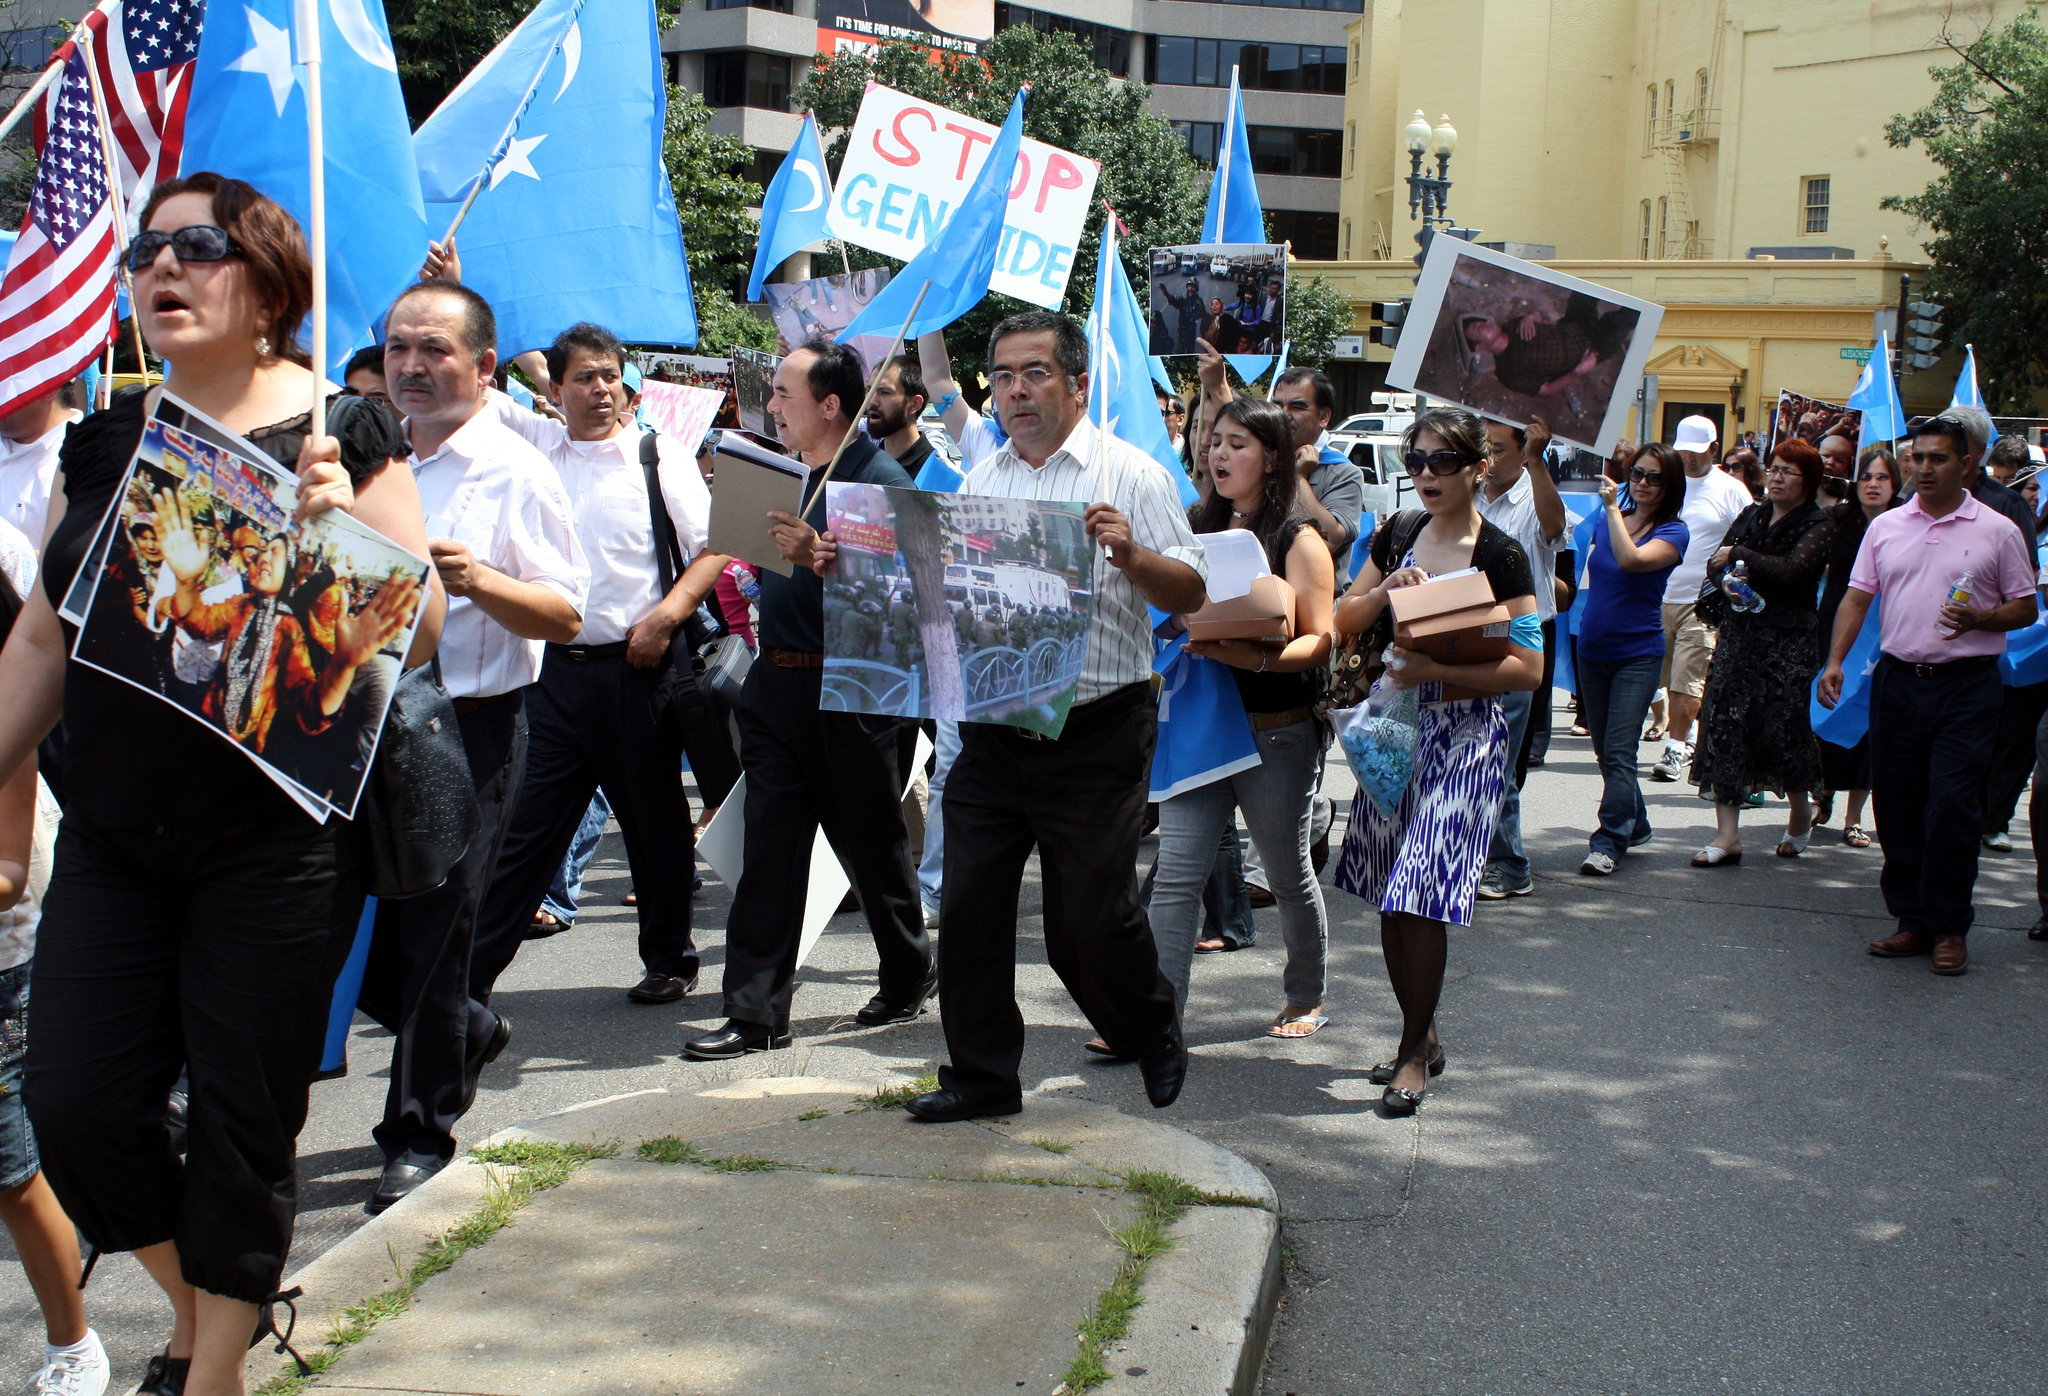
(401, 1177)
(165, 1376)
(947, 1106)
(1383, 1074)
(1398, 1104)
(2039, 930)
(481, 1055)
(1164, 1069)
(880, 1011)
(663, 988)
(736, 1039)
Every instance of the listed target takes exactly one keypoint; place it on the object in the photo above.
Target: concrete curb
(1209, 1302)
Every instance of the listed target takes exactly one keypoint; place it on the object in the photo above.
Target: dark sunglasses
(1874, 475)
(199, 242)
(1436, 462)
(1639, 476)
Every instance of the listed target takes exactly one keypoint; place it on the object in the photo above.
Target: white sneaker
(1597, 864)
(1672, 766)
(2000, 842)
(74, 1376)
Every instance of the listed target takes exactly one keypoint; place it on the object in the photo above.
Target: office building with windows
(744, 58)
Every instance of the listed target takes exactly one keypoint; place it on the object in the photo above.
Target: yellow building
(1741, 139)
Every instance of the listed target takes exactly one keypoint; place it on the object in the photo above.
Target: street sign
(1349, 346)
(1855, 355)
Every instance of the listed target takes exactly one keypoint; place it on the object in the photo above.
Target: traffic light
(1388, 317)
(1920, 344)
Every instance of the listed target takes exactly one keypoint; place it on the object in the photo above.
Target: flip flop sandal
(1714, 856)
(1654, 733)
(1213, 947)
(1795, 843)
(1312, 1021)
(1855, 837)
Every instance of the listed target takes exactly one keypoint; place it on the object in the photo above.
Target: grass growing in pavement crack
(1052, 1146)
(896, 1097)
(529, 1166)
(814, 1114)
(669, 1149)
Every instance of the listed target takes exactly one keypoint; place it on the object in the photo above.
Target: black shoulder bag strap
(668, 549)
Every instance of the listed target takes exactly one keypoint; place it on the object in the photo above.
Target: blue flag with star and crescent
(793, 210)
(1120, 371)
(575, 219)
(247, 119)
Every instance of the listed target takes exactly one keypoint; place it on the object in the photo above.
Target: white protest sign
(909, 162)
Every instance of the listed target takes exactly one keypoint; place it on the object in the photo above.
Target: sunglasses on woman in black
(198, 242)
(1436, 462)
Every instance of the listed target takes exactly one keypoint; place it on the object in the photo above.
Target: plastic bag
(1379, 738)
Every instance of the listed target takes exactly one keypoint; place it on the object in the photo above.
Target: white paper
(1236, 560)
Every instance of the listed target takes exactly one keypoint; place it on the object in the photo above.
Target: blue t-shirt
(1624, 617)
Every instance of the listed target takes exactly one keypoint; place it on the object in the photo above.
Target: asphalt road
(1691, 1139)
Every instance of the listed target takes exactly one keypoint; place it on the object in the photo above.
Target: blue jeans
(931, 869)
(567, 888)
(1505, 852)
(1614, 696)
(1226, 901)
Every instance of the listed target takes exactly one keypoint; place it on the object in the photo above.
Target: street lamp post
(1429, 195)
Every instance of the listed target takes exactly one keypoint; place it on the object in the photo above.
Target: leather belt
(1953, 669)
(466, 706)
(1286, 717)
(792, 659)
(583, 654)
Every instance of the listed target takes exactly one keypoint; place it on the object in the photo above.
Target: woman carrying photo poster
(1422, 864)
(196, 914)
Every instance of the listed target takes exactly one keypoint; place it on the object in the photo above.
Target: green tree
(438, 41)
(1987, 131)
(1147, 175)
(713, 195)
(723, 325)
(1317, 313)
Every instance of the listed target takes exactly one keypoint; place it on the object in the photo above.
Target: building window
(1670, 104)
(738, 78)
(1347, 239)
(779, 6)
(1663, 224)
(1201, 138)
(1815, 204)
(1314, 235)
(1351, 147)
(1700, 80)
(1281, 150)
(1190, 62)
(1650, 123)
(1108, 48)
(1354, 62)
(1644, 253)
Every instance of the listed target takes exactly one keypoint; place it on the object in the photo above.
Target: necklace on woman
(1241, 514)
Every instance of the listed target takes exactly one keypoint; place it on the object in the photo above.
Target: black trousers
(203, 945)
(1536, 736)
(1080, 801)
(1930, 746)
(2012, 752)
(416, 983)
(592, 724)
(2037, 814)
(806, 770)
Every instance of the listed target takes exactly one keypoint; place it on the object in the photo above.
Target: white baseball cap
(2034, 454)
(1695, 434)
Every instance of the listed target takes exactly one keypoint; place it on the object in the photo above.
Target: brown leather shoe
(1901, 943)
(1951, 955)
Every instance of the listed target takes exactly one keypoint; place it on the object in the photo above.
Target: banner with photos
(956, 606)
(285, 638)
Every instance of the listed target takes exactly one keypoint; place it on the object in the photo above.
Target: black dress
(1842, 767)
(1755, 728)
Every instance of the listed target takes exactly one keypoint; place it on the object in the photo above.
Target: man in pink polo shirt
(1934, 696)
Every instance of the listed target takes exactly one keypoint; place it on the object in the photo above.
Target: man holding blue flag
(1954, 576)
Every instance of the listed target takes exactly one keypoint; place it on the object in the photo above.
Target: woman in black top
(1755, 732)
(1876, 489)
(196, 916)
(1252, 468)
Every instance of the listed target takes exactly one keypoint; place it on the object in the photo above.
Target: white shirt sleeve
(684, 492)
(536, 537)
(1157, 519)
(544, 433)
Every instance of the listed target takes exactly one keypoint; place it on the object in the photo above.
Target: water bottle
(1741, 595)
(1959, 593)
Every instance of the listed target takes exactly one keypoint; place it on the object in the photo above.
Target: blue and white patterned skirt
(1427, 858)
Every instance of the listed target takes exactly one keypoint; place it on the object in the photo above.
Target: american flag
(57, 299)
(142, 52)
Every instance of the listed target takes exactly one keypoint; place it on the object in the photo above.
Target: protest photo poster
(1231, 295)
(682, 414)
(285, 638)
(908, 164)
(1811, 420)
(753, 383)
(956, 606)
(823, 306)
(1514, 341)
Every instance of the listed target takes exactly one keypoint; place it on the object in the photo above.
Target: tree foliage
(1987, 211)
(438, 41)
(712, 195)
(1147, 175)
(723, 325)
(1317, 313)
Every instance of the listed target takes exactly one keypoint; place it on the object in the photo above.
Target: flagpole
(120, 207)
(853, 429)
(306, 19)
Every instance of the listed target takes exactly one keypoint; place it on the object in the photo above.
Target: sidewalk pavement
(786, 1234)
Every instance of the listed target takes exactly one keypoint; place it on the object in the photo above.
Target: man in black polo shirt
(892, 416)
(806, 768)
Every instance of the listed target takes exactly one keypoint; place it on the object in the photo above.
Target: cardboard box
(1446, 618)
(1265, 614)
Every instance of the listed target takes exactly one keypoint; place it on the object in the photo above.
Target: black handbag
(682, 698)
(1356, 663)
(418, 810)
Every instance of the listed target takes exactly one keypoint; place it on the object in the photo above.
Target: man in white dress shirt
(29, 439)
(1078, 798)
(503, 539)
(593, 719)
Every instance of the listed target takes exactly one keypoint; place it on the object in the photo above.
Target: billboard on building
(959, 26)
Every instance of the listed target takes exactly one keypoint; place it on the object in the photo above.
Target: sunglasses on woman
(198, 242)
(1436, 462)
(1639, 476)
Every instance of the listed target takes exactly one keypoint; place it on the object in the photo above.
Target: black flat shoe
(2039, 930)
(482, 1055)
(881, 1011)
(736, 1039)
(1398, 1104)
(1383, 1074)
(165, 1376)
(1165, 1070)
(944, 1107)
(401, 1178)
(663, 988)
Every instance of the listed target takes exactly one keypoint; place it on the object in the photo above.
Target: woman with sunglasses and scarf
(1621, 638)
(1422, 864)
(196, 915)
